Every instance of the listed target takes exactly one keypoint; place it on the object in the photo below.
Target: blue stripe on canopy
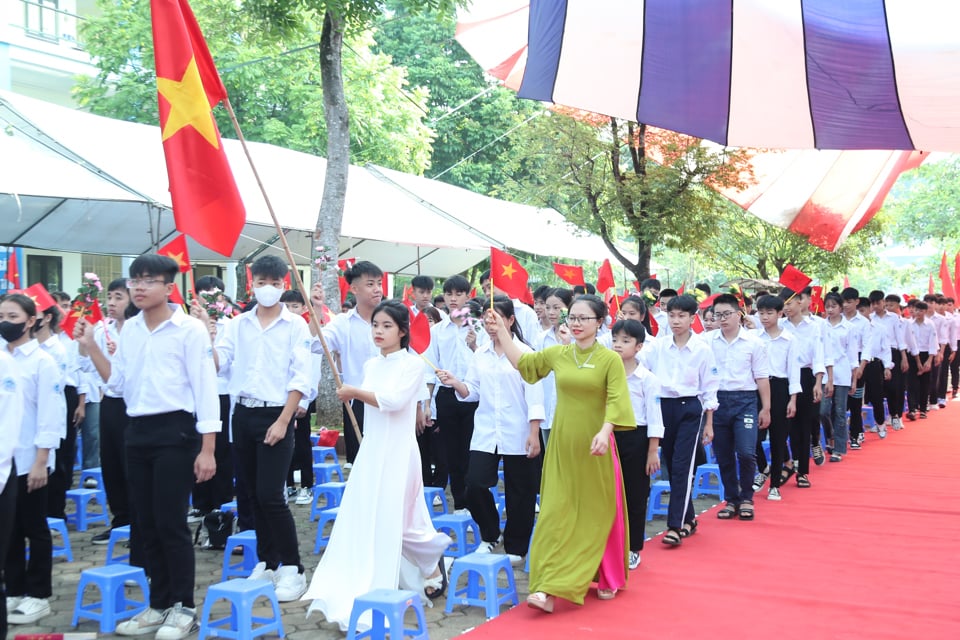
(544, 41)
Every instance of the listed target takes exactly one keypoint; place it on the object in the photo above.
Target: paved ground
(66, 576)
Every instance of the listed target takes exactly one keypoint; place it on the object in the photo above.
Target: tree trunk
(641, 270)
(327, 233)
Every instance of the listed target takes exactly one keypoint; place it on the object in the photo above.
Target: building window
(108, 268)
(42, 18)
(47, 270)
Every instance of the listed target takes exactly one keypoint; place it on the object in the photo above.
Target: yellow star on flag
(178, 258)
(188, 105)
(570, 273)
(508, 271)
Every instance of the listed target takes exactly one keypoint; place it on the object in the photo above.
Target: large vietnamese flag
(206, 204)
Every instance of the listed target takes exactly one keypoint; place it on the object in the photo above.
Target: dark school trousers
(61, 478)
(735, 443)
(934, 386)
(350, 442)
(681, 422)
(855, 405)
(34, 577)
(161, 450)
(873, 392)
(114, 423)
(942, 374)
(780, 426)
(632, 448)
(455, 422)
(209, 495)
(895, 387)
(302, 450)
(264, 470)
(806, 423)
(521, 482)
(433, 457)
(8, 513)
(917, 385)
(955, 374)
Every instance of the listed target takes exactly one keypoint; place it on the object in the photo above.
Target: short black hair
(438, 301)
(650, 283)
(484, 276)
(630, 327)
(686, 303)
(892, 297)
(863, 303)
(703, 286)
(399, 313)
(362, 268)
(119, 284)
(565, 295)
(209, 283)
(540, 293)
(769, 302)
(668, 293)
(875, 296)
(456, 284)
(786, 293)
(584, 289)
(422, 282)
(920, 305)
(62, 296)
(728, 299)
(152, 264)
(269, 267)
(850, 294)
(291, 295)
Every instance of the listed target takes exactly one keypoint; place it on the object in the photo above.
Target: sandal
(606, 594)
(672, 537)
(438, 584)
(785, 474)
(540, 600)
(688, 529)
(803, 482)
(746, 510)
(728, 512)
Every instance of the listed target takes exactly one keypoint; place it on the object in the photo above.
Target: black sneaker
(101, 538)
(855, 445)
(195, 516)
(818, 456)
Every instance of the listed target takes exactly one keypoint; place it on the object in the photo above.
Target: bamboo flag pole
(314, 318)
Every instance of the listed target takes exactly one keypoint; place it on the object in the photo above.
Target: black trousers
(264, 470)
(873, 391)
(944, 369)
(302, 450)
(917, 385)
(521, 483)
(632, 448)
(209, 495)
(455, 422)
(33, 578)
(780, 426)
(8, 513)
(433, 457)
(113, 458)
(806, 423)
(955, 374)
(350, 441)
(855, 406)
(161, 450)
(61, 478)
(895, 387)
(934, 387)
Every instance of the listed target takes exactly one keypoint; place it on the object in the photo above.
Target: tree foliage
(923, 205)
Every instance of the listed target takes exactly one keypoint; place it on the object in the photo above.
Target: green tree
(923, 204)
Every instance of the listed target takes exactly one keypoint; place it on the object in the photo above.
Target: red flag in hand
(697, 324)
(507, 274)
(206, 203)
(605, 276)
(13, 268)
(40, 296)
(680, 290)
(569, 273)
(945, 281)
(816, 300)
(175, 296)
(176, 250)
(654, 325)
(419, 332)
(407, 297)
(794, 279)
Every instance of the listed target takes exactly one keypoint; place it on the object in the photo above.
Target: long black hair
(504, 306)
(399, 313)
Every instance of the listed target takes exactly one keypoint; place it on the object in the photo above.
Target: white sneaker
(634, 559)
(90, 483)
(486, 547)
(883, 432)
(347, 465)
(437, 501)
(13, 602)
(147, 621)
(289, 583)
(29, 611)
(897, 424)
(180, 622)
(514, 559)
(773, 494)
(462, 512)
(260, 572)
(305, 495)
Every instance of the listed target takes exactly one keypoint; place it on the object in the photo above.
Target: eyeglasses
(723, 315)
(579, 319)
(137, 283)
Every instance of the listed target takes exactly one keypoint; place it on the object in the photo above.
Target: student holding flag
(508, 277)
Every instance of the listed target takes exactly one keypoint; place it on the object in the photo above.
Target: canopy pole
(314, 318)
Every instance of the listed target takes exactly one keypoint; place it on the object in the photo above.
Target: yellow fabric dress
(578, 493)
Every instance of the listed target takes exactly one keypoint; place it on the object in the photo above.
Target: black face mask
(12, 331)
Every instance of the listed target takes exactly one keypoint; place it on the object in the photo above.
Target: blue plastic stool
(656, 505)
(867, 413)
(387, 608)
(706, 481)
(485, 566)
(501, 501)
(59, 526)
(114, 606)
(242, 568)
(239, 625)
(457, 526)
(229, 507)
(326, 516)
(332, 491)
(323, 472)
(711, 456)
(322, 454)
(118, 534)
(429, 494)
(765, 445)
(526, 564)
(83, 517)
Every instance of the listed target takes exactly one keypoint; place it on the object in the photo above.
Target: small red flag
(39, 294)
(286, 281)
(636, 285)
(794, 279)
(507, 274)
(407, 296)
(92, 313)
(13, 268)
(175, 296)
(473, 292)
(206, 203)
(816, 300)
(176, 249)
(945, 280)
(846, 282)
(527, 297)
(708, 301)
(570, 273)
(680, 290)
(419, 332)
(344, 289)
(249, 282)
(605, 276)
(697, 324)
(385, 285)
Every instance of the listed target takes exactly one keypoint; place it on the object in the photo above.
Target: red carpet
(872, 550)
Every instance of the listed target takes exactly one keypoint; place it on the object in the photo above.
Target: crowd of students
(580, 404)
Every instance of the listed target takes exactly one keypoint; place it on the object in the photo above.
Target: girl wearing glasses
(582, 531)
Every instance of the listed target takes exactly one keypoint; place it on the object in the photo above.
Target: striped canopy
(817, 74)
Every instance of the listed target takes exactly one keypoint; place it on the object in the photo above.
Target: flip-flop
(437, 583)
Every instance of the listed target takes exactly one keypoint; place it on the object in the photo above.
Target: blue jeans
(833, 415)
(735, 443)
(90, 432)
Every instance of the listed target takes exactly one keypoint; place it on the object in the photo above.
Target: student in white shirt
(888, 312)
(557, 303)
(926, 346)
(943, 340)
(265, 353)
(638, 450)
(422, 293)
(833, 408)
(29, 584)
(506, 427)
(349, 335)
(164, 369)
(540, 307)
(11, 416)
(860, 336)
(744, 375)
(948, 331)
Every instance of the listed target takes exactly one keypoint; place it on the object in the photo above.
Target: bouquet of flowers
(649, 299)
(216, 305)
(85, 304)
(324, 260)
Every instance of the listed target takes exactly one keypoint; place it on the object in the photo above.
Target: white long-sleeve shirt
(645, 398)
(925, 337)
(352, 337)
(11, 413)
(690, 371)
(44, 418)
(501, 423)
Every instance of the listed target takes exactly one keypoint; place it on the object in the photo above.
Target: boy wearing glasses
(163, 368)
(744, 374)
